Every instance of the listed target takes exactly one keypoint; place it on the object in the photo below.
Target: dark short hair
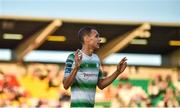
(84, 31)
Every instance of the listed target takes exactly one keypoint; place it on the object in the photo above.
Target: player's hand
(122, 65)
(78, 58)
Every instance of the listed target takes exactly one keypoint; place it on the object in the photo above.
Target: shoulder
(71, 56)
(96, 56)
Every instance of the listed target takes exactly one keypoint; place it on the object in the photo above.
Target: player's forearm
(108, 80)
(69, 80)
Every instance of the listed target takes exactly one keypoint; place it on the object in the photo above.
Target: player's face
(94, 40)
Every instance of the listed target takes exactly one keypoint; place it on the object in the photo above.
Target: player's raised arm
(102, 83)
(72, 70)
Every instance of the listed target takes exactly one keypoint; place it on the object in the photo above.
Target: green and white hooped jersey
(84, 86)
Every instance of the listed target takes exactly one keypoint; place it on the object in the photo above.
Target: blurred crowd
(160, 93)
(41, 86)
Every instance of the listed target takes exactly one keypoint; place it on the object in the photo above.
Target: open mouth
(98, 44)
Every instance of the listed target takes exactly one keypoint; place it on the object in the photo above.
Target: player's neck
(88, 51)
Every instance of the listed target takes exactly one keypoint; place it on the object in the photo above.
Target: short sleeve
(69, 65)
(100, 75)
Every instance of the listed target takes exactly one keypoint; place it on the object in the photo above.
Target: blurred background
(36, 36)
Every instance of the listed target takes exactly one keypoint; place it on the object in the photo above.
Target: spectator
(169, 99)
(153, 89)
